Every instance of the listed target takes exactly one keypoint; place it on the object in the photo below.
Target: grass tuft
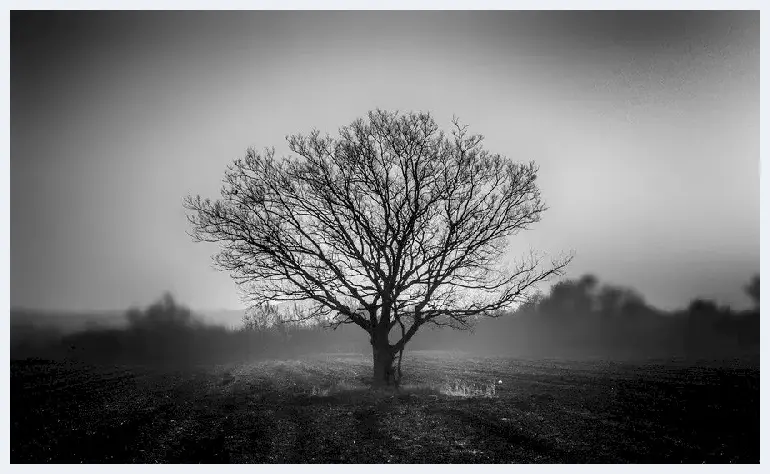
(461, 388)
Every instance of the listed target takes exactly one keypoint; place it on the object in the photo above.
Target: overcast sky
(645, 127)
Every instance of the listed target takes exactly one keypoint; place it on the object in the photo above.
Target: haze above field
(645, 126)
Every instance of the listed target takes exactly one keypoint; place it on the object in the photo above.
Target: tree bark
(382, 358)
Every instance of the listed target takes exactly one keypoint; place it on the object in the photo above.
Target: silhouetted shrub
(163, 315)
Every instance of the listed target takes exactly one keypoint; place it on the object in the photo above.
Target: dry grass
(462, 388)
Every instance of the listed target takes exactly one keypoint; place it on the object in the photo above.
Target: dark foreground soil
(451, 409)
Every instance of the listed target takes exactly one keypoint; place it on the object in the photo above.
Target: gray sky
(645, 126)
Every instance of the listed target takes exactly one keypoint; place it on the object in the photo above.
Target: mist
(384, 237)
(578, 319)
(644, 125)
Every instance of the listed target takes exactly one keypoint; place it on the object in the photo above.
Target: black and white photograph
(384, 236)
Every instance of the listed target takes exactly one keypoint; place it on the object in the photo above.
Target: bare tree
(390, 226)
(752, 289)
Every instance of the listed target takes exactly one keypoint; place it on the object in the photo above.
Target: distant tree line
(582, 317)
(577, 318)
(167, 333)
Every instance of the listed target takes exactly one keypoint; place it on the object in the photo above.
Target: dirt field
(451, 409)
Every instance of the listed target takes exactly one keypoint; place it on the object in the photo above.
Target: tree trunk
(382, 358)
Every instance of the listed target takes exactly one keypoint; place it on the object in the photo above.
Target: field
(450, 409)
